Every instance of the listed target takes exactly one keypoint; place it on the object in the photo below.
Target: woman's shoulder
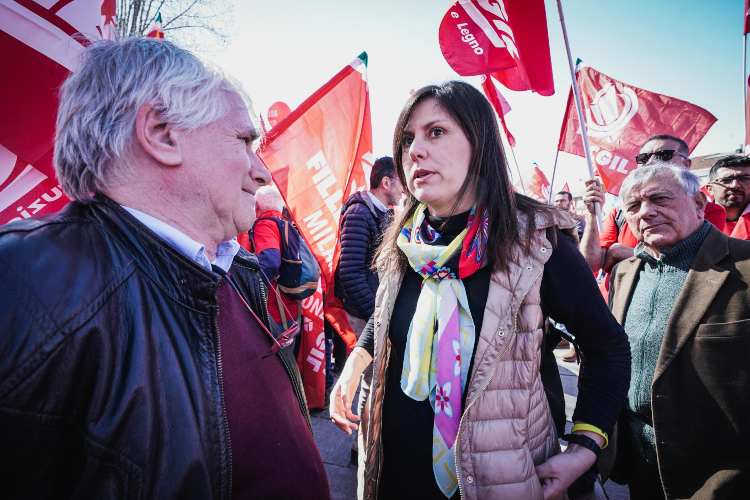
(554, 218)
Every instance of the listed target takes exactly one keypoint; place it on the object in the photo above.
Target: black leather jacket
(110, 372)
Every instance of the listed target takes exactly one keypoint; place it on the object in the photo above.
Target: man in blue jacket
(365, 216)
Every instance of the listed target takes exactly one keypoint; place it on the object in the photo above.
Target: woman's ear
(156, 137)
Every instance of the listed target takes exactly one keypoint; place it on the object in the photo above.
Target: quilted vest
(506, 428)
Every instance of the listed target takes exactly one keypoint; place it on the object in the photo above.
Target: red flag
(108, 28)
(499, 103)
(39, 46)
(277, 112)
(620, 118)
(311, 357)
(156, 30)
(507, 38)
(539, 185)
(318, 156)
(565, 187)
(746, 29)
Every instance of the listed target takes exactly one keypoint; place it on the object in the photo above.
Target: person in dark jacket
(136, 359)
(684, 303)
(365, 215)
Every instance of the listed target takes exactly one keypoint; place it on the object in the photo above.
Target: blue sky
(688, 49)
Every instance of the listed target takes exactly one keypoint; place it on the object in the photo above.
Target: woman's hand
(342, 394)
(559, 472)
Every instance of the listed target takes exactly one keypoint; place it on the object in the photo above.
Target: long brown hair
(487, 176)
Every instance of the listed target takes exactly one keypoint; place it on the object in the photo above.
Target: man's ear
(700, 202)
(385, 183)
(157, 137)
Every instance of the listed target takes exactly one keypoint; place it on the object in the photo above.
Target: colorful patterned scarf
(441, 336)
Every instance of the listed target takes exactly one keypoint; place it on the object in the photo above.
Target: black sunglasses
(663, 155)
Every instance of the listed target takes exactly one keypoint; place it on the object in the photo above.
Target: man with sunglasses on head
(616, 242)
(729, 184)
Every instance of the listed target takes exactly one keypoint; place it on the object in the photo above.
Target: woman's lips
(421, 175)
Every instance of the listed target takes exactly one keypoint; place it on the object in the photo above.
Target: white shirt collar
(187, 246)
(378, 204)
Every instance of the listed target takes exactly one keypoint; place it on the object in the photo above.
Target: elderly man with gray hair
(684, 301)
(136, 358)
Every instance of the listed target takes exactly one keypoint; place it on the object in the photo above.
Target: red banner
(318, 156)
(507, 38)
(539, 185)
(311, 357)
(39, 45)
(620, 118)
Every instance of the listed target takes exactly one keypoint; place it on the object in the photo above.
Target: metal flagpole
(552, 182)
(518, 169)
(579, 104)
(744, 88)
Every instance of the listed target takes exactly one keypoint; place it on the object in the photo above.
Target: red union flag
(318, 156)
(311, 357)
(39, 46)
(507, 38)
(539, 185)
(620, 118)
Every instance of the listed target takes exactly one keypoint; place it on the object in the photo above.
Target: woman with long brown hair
(468, 272)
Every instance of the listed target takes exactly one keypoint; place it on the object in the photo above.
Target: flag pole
(744, 88)
(579, 104)
(518, 169)
(552, 182)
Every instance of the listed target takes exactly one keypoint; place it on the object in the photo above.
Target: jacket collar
(176, 275)
(702, 284)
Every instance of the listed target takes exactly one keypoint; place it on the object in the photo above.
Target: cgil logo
(610, 111)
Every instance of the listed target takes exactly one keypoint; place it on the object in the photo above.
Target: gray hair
(687, 180)
(269, 198)
(99, 103)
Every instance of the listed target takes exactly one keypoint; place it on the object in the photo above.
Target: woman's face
(436, 156)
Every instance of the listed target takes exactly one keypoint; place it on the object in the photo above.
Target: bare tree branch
(192, 4)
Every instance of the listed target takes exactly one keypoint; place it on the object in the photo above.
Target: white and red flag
(40, 42)
(318, 156)
(620, 118)
(505, 38)
(538, 184)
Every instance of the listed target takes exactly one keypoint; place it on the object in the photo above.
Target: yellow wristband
(580, 426)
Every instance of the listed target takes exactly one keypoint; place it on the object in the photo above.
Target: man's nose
(258, 171)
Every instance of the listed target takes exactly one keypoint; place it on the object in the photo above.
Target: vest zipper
(220, 375)
(466, 410)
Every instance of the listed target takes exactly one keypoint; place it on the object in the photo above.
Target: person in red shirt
(729, 184)
(602, 250)
(266, 237)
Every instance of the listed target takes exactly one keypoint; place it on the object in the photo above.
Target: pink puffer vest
(506, 428)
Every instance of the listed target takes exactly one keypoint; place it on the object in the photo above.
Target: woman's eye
(407, 140)
(436, 132)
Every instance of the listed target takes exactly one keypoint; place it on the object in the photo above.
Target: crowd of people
(148, 328)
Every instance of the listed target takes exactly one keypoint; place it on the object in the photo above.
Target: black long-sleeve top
(569, 294)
